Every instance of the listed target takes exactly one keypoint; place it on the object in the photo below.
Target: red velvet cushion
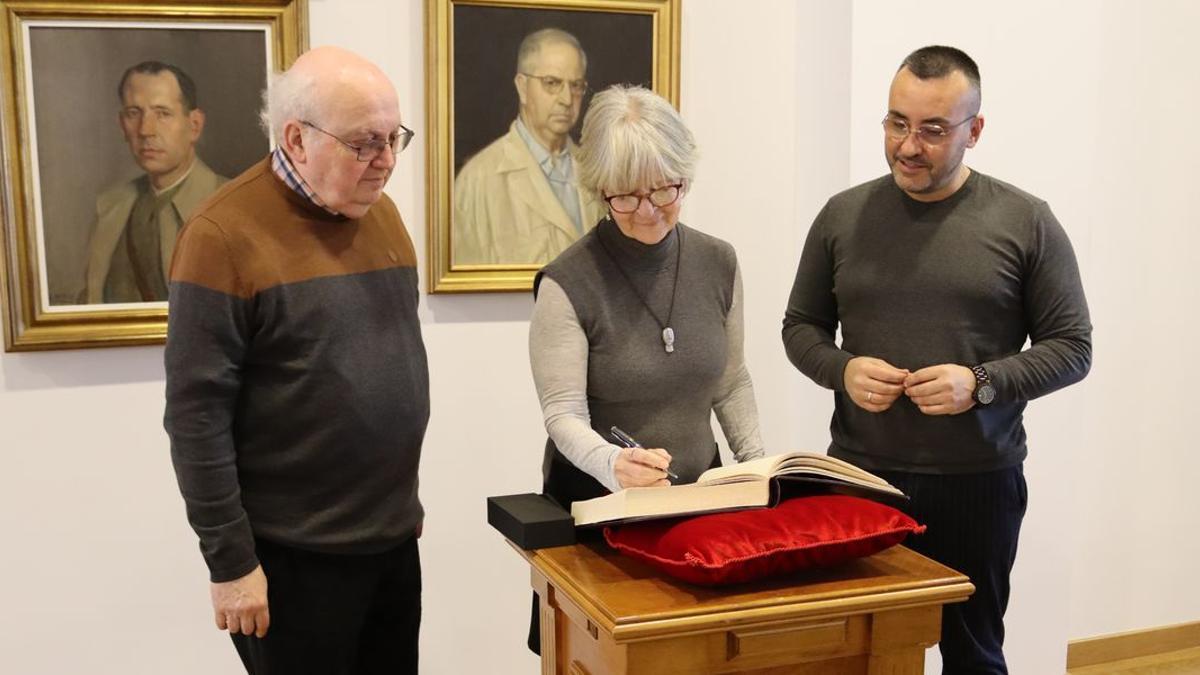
(727, 548)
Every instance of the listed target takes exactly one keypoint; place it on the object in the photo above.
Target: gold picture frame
(471, 105)
(63, 146)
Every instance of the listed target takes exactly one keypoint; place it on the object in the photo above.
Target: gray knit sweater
(297, 386)
(965, 281)
(598, 358)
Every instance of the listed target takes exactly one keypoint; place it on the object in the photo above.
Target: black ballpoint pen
(627, 441)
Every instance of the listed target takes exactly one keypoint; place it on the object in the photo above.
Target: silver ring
(870, 395)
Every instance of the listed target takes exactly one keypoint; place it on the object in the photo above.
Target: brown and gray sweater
(297, 383)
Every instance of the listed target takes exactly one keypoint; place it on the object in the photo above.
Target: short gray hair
(289, 95)
(534, 42)
(631, 138)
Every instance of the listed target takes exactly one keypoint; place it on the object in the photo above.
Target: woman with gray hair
(638, 325)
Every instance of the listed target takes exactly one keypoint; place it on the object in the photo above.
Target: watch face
(985, 394)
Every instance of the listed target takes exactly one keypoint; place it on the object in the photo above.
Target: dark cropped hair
(937, 61)
(186, 86)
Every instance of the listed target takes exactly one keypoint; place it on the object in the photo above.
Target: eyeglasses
(373, 148)
(553, 85)
(898, 129)
(658, 197)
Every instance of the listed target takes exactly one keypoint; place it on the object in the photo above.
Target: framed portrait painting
(116, 120)
(507, 90)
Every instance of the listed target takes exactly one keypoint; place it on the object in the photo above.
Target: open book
(759, 482)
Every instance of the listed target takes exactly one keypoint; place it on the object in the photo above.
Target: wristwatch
(985, 392)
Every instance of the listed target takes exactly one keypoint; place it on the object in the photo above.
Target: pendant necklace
(668, 333)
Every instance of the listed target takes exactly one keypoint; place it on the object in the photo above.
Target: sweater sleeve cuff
(609, 479)
(228, 550)
(222, 575)
(999, 382)
(838, 362)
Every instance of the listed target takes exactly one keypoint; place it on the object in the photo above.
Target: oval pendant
(668, 336)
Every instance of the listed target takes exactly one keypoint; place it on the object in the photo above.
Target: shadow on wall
(480, 307)
(81, 368)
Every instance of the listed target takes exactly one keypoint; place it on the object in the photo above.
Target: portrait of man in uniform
(132, 128)
(127, 118)
(130, 247)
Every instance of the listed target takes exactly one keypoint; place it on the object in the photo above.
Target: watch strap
(981, 375)
(985, 391)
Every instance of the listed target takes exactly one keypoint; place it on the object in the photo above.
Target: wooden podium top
(633, 601)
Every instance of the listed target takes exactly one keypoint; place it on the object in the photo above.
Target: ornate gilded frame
(30, 322)
(443, 276)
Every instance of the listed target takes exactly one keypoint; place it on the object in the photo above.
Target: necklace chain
(668, 333)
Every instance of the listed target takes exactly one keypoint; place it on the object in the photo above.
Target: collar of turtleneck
(633, 254)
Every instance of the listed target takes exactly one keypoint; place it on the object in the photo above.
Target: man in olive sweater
(297, 384)
(936, 274)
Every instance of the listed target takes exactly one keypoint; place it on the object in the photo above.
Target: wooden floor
(1186, 662)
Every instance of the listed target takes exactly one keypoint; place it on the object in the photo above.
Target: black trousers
(337, 614)
(974, 521)
(567, 484)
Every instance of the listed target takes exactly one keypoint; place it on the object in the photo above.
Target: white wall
(1088, 105)
(1136, 500)
(99, 572)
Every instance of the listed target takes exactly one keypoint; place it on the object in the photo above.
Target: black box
(531, 521)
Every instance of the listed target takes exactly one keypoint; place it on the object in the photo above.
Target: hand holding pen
(641, 467)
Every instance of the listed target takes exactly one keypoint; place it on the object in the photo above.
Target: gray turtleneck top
(598, 357)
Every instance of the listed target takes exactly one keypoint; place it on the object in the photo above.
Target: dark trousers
(567, 484)
(337, 614)
(974, 521)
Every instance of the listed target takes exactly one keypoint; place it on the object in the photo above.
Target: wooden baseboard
(1133, 644)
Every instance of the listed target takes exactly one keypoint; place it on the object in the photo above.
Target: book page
(795, 463)
(728, 487)
(827, 463)
(641, 503)
(833, 475)
(763, 467)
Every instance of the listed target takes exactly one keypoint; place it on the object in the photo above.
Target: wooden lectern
(605, 614)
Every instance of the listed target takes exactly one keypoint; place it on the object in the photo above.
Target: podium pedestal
(606, 614)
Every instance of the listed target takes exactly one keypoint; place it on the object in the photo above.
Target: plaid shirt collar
(282, 166)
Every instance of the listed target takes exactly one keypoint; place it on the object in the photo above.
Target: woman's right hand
(642, 467)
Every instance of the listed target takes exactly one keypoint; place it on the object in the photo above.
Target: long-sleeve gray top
(965, 281)
(660, 397)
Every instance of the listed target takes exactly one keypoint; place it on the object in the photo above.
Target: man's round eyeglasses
(553, 85)
(372, 148)
(898, 129)
(658, 197)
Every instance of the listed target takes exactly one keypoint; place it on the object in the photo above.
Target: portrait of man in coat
(518, 201)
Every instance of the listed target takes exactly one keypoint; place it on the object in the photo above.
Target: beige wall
(99, 572)
(1079, 98)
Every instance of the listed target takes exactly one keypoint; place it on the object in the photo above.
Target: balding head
(329, 100)
(318, 81)
(550, 82)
